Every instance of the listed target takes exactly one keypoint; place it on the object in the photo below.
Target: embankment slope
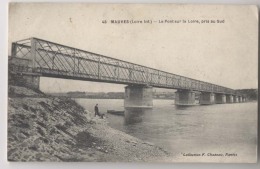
(46, 128)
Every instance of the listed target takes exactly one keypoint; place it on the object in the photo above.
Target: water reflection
(134, 115)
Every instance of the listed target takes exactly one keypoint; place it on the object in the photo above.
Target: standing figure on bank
(97, 112)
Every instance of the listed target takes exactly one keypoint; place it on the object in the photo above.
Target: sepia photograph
(168, 83)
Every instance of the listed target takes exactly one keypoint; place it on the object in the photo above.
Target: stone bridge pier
(240, 99)
(229, 98)
(207, 98)
(236, 99)
(138, 96)
(185, 97)
(220, 98)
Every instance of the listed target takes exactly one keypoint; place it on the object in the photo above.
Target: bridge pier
(230, 98)
(138, 96)
(240, 99)
(185, 97)
(236, 99)
(207, 98)
(220, 98)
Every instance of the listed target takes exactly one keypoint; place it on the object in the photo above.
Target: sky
(219, 53)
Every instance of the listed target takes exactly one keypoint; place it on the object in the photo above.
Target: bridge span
(32, 58)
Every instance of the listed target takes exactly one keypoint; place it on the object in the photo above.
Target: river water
(183, 131)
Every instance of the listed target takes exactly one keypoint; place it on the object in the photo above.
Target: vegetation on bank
(251, 94)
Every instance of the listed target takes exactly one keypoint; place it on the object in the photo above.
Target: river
(184, 131)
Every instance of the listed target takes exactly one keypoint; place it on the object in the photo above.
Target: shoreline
(49, 128)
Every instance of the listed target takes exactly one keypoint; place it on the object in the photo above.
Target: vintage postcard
(132, 83)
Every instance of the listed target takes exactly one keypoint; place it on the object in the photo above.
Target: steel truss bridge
(50, 59)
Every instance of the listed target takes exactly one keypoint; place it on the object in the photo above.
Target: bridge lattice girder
(56, 60)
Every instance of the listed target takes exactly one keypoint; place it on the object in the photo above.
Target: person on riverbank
(97, 112)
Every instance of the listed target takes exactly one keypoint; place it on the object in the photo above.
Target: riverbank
(48, 128)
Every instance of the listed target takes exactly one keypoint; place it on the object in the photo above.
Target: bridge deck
(56, 60)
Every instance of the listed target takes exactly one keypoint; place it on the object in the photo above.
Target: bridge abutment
(220, 98)
(138, 96)
(229, 98)
(207, 98)
(30, 80)
(20, 73)
(185, 97)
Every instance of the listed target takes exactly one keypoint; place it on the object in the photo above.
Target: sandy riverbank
(46, 128)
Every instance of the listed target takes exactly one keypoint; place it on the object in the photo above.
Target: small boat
(116, 112)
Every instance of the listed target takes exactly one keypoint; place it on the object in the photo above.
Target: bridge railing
(51, 59)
